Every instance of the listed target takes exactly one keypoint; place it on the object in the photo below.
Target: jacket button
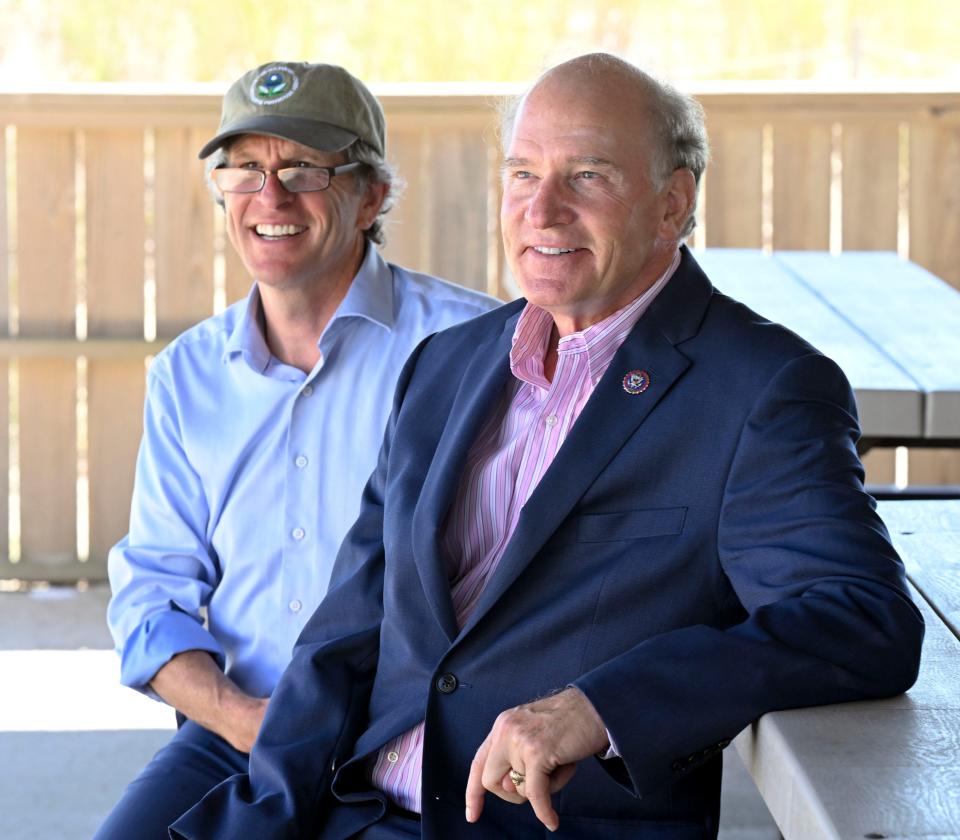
(446, 684)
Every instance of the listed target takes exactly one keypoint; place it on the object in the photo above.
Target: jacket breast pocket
(630, 524)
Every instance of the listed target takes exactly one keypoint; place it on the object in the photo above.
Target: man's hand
(241, 721)
(193, 684)
(543, 741)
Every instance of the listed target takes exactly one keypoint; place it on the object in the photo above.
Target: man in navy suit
(611, 524)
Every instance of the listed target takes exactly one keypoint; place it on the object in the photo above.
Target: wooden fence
(110, 246)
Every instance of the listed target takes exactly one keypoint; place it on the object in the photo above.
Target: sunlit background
(47, 42)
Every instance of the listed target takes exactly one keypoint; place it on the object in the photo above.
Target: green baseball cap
(317, 105)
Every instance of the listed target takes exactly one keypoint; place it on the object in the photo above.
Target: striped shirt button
(393, 756)
(551, 420)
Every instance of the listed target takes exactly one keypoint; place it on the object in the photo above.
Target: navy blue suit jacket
(696, 555)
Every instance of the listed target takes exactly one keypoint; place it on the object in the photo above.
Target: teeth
(279, 230)
(540, 249)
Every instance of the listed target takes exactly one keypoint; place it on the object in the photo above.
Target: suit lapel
(479, 391)
(608, 420)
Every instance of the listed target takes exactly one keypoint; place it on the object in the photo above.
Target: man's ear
(374, 194)
(679, 194)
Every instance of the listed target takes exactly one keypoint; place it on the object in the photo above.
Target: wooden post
(115, 387)
(4, 366)
(46, 254)
(734, 191)
(801, 185)
(870, 189)
(935, 244)
(183, 232)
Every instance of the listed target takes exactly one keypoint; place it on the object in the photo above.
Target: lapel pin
(636, 381)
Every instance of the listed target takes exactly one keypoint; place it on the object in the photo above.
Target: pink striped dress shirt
(506, 462)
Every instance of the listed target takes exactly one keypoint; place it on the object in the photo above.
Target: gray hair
(676, 124)
(376, 170)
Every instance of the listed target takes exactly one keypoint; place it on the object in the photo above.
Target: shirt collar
(370, 296)
(247, 336)
(599, 341)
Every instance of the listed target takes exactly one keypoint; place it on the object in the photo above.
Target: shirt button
(301, 461)
(298, 533)
(393, 756)
(307, 390)
(295, 606)
(551, 420)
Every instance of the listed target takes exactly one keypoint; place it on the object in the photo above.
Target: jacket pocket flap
(630, 524)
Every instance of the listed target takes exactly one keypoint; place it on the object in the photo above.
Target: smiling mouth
(278, 231)
(553, 252)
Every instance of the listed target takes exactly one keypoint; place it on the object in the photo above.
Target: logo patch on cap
(276, 83)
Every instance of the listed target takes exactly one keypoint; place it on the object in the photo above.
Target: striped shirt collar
(599, 341)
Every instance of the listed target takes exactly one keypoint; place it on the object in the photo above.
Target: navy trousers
(175, 780)
(179, 776)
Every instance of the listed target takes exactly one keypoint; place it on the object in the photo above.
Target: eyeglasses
(295, 179)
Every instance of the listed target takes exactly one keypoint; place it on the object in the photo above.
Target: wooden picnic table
(881, 768)
(892, 326)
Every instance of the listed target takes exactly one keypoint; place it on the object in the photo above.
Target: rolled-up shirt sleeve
(163, 572)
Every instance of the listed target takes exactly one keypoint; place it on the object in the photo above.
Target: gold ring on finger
(517, 777)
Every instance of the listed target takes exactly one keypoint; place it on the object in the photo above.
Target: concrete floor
(71, 737)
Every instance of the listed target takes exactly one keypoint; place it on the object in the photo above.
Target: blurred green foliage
(476, 40)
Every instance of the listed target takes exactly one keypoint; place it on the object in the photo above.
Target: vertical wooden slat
(934, 212)
(935, 198)
(184, 231)
(115, 275)
(238, 279)
(115, 233)
(459, 227)
(4, 242)
(116, 391)
(870, 185)
(496, 259)
(405, 225)
(47, 301)
(734, 189)
(870, 160)
(934, 466)
(4, 367)
(801, 185)
(879, 466)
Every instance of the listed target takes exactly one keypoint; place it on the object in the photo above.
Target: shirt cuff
(611, 751)
(156, 641)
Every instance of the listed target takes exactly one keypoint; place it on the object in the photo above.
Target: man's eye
(302, 164)
(588, 175)
(521, 174)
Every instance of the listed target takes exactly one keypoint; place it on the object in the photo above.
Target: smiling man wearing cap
(262, 424)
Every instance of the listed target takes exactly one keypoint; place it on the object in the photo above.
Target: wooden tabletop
(892, 326)
(880, 768)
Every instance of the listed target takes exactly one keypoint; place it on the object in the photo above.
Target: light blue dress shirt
(250, 474)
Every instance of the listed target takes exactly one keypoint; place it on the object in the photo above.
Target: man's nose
(274, 194)
(550, 204)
